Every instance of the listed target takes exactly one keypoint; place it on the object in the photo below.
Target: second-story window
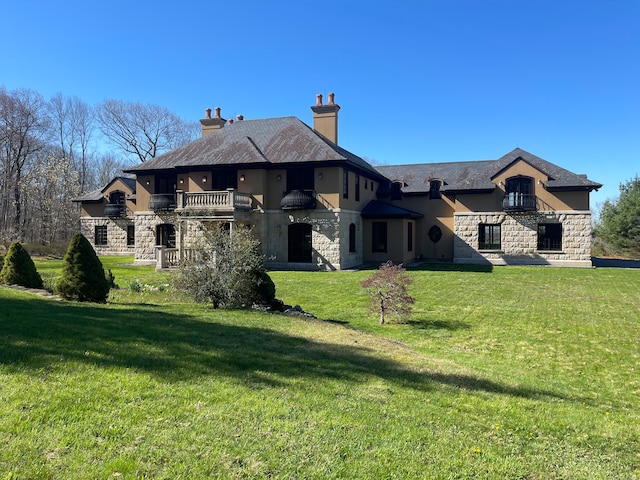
(345, 183)
(519, 193)
(116, 198)
(224, 179)
(166, 184)
(434, 189)
(300, 178)
(357, 187)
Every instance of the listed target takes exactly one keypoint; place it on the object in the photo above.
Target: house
(107, 217)
(317, 206)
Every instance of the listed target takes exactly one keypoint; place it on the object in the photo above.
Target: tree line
(618, 229)
(52, 150)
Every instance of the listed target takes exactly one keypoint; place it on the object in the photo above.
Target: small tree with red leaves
(388, 290)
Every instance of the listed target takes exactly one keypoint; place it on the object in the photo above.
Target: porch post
(161, 262)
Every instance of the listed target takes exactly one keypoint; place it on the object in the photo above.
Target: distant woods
(51, 150)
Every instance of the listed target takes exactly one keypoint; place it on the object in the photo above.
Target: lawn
(514, 372)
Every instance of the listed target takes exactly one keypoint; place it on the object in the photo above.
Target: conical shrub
(83, 277)
(19, 269)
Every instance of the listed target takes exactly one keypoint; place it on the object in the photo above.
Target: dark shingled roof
(461, 177)
(376, 209)
(455, 175)
(92, 196)
(258, 143)
(98, 194)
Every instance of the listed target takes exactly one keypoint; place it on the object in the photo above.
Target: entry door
(300, 243)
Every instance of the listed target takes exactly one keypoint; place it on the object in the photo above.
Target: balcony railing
(162, 202)
(174, 257)
(114, 210)
(518, 202)
(224, 201)
(298, 200)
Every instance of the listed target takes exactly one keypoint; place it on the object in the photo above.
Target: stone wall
(329, 230)
(519, 238)
(146, 223)
(329, 240)
(116, 234)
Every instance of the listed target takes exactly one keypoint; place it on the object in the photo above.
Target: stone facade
(519, 238)
(116, 234)
(329, 229)
(146, 223)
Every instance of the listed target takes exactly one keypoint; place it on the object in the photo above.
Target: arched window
(116, 198)
(519, 194)
(434, 189)
(396, 190)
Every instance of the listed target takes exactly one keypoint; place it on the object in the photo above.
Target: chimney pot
(209, 125)
(239, 117)
(231, 121)
(325, 118)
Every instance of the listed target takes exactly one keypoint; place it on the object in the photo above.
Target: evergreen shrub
(19, 269)
(83, 277)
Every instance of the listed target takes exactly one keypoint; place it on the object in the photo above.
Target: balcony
(115, 210)
(212, 202)
(162, 202)
(519, 202)
(298, 200)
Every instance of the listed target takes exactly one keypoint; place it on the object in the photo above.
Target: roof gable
(558, 177)
(98, 194)
(128, 182)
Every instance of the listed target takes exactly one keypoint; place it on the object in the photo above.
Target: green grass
(513, 372)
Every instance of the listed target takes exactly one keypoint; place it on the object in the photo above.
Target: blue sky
(418, 81)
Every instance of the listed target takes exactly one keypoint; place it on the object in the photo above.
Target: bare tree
(23, 130)
(143, 131)
(388, 290)
(73, 122)
(106, 167)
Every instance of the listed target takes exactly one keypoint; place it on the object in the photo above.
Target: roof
(377, 209)
(476, 176)
(98, 194)
(270, 141)
(455, 176)
(559, 178)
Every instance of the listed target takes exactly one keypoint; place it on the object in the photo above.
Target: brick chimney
(209, 125)
(325, 118)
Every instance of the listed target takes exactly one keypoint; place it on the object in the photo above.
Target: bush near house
(19, 269)
(83, 278)
(228, 270)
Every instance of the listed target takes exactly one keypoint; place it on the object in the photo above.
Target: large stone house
(317, 206)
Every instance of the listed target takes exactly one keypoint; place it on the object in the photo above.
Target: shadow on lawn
(40, 334)
(431, 324)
